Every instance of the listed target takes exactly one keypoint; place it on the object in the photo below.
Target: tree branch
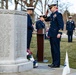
(35, 3)
(31, 2)
(39, 10)
(16, 3)
(25, 2)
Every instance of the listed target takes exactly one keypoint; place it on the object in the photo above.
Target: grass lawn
(65, 46)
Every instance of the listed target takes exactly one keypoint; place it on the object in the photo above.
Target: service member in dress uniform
(29, 26)
(40, 26)
(54, 34)
(70, 26)
(40, 23)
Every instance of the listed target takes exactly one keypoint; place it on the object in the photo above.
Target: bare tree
(16, 3)
(32, 3)
(6, 4)
(2, 4)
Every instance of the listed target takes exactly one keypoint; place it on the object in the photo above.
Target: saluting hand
(46, 12)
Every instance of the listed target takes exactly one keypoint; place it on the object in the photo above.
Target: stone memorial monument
(13, 39)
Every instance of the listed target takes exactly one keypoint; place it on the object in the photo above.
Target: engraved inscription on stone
(5, 28)
(13, 34)
(20, 35)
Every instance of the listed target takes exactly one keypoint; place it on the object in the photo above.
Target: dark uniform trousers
(55, 50)
(70, 36)
(29, 30)
(29, 36)
(56, 27)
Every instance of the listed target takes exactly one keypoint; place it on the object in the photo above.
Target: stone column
(13, 41)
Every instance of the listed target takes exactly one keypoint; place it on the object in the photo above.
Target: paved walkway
(43, 69)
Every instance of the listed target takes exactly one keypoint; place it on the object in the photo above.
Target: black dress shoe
(35, 66)
(54, 66)
(50, 65)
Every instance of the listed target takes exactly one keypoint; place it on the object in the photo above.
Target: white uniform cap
(30, 8)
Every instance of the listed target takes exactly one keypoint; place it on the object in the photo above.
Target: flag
(66, 68)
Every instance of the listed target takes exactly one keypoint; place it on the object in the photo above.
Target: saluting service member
(70, 26)
(54, 34)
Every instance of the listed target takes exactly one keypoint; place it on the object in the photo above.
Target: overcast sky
(71, 8)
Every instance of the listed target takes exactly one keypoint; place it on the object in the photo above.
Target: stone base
(16, 67)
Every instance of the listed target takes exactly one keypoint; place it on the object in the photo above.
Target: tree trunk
(6, 4)
(2, 4)
(16, 3)
(21, 4)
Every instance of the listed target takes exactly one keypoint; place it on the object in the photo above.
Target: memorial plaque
(20, 36)
(5, 35)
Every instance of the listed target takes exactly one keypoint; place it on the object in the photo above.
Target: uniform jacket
(40, 25)
(70, 25)
(29, 26)
(56, 24)
(29, 23)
